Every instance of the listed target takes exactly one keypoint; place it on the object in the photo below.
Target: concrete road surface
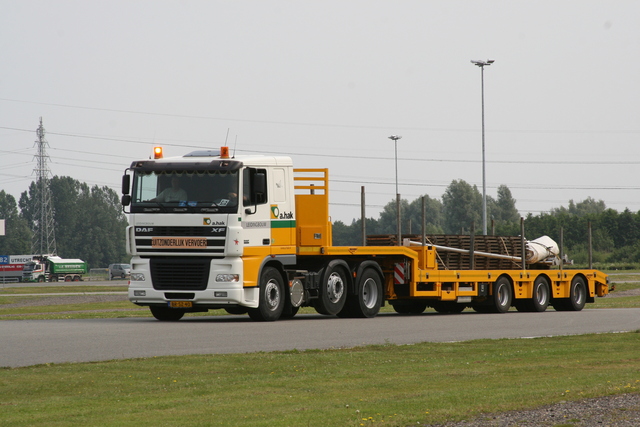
(30, 342)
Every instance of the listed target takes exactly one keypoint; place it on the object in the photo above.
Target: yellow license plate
(179, 242)
(180, 304)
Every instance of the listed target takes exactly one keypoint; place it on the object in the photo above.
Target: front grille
(184, 274)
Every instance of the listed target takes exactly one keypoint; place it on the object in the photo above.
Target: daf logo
(144, 229)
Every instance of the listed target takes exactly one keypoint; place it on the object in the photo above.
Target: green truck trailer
(54, 269)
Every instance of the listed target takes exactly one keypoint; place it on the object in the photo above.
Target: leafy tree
(433, 216)
(387, 224)
(17, 238)
(462, 204)
(89, 222)
(505, 207)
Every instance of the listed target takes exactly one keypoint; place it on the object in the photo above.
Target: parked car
(119, 270)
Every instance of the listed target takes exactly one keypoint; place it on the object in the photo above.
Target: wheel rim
(579, 293)
(503, 295)
(542, 294)
(272, 294)
(369, 293)
(335, 287)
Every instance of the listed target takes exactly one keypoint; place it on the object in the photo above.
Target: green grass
(384, 385)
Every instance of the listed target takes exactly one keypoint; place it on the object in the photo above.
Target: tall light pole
(482, 64)
(395, 139)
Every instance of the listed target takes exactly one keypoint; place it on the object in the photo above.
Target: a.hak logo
(286, 215)
(276, 214)
(208, 221)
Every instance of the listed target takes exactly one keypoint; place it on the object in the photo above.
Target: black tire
(502, 296)
(272, 298)
(124, 276)
(482, 308)
(333, 291)
(289, 312)
(409, 306)
(166, 314)
(540, 299)
(577, 297)
(236, 310)
(448, 307)
(368, 299)
(41, 279)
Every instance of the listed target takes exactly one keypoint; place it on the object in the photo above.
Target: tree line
(615, 235)
(90, 225)
(88, 222)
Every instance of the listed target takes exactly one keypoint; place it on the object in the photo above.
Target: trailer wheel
(271, 300)
(76, 278)
(166, 314)
(367, 301)
(577, 297)
(409, 306)
(540, 298)
(333, 291)
(67, 278)
(448, 307)
(502, 295)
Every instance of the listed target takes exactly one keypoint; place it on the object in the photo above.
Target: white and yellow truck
(252, 235)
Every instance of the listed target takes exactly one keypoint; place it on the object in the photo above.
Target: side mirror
(126, 184)
(126, 200)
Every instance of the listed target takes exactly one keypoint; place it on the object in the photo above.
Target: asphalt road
(31, 342)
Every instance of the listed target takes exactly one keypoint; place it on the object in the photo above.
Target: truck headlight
(227, 277)
(137, 277)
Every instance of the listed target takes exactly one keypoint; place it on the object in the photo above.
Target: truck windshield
(29, 266)
(185, 191)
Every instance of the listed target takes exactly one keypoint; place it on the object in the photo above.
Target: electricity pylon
(44, 239)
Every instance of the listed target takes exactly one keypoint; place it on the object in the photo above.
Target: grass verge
(383, 385)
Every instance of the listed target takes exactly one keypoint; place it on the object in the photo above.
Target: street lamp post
(395, 139)
(482, 64)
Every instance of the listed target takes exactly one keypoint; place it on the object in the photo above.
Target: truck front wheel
(166, 314)
(41, 279)
(272, 299)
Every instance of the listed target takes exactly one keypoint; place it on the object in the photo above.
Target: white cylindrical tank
(540, 249)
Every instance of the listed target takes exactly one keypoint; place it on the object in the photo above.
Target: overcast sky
(327, 82)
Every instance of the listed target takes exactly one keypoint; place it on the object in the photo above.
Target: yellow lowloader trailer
(253, 235)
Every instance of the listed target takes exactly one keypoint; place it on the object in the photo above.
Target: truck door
(254, 209)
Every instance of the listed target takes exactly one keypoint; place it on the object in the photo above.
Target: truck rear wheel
(166, 314)
(333, 291)
(368, 299)
(577, 297)
(502, 296)
(272, 299)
